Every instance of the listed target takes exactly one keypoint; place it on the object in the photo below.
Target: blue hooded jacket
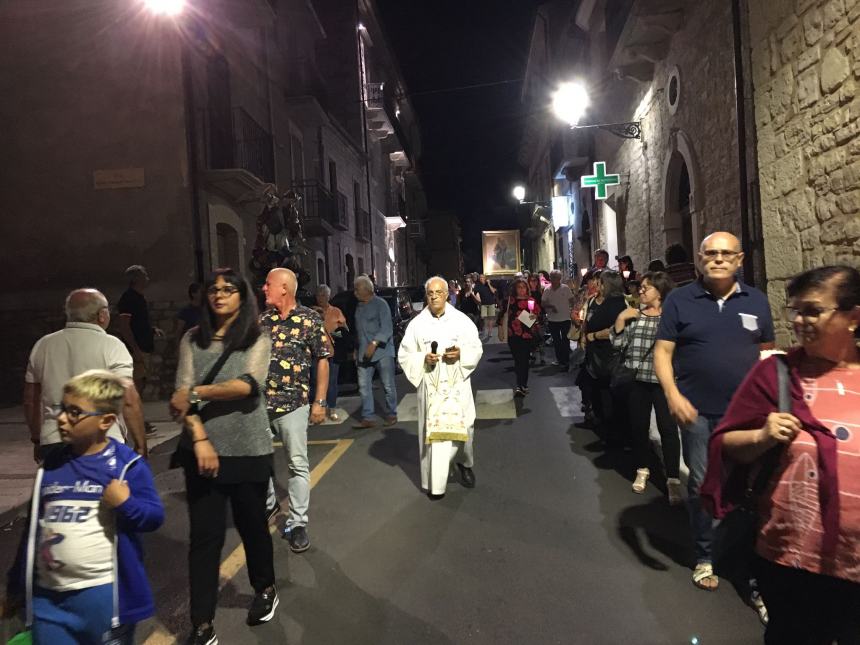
(142, 511)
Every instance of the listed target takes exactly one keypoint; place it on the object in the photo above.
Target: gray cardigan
(237, 428)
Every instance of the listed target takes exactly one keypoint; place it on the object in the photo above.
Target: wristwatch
(194, 397)
(321, 403)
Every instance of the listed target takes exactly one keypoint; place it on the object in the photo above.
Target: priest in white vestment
(439, 351)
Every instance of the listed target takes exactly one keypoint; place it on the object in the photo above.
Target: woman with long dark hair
(226, 447)
(522, 315)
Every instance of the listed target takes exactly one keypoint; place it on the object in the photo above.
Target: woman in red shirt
(519, 307)
(808, 541)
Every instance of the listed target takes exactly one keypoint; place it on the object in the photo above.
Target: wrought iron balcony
(235, 140)
(319, 212)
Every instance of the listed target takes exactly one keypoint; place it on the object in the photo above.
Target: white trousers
(436, 460)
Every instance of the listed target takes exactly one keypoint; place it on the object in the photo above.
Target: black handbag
(623, 376)
(737, 532)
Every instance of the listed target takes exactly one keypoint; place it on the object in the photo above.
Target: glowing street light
(519, 193)
(165, 7)
(570, 102)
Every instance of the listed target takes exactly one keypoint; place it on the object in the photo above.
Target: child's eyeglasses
(73, 413)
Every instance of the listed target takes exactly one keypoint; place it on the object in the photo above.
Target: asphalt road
(550, 547)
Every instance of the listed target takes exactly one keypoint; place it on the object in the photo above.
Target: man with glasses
(710, 335)
(80, 346)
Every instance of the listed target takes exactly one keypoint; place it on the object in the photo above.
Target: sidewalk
(17, 468)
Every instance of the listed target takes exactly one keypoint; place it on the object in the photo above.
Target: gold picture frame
(501, 252)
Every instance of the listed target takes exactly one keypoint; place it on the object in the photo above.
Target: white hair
(324, 288)
(362, 282)
(84, 305)
(436, 277)
(289, 278)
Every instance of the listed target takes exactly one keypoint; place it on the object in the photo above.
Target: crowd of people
(769, 436)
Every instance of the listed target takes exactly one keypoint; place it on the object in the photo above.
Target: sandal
(642, 475)
(703, 573)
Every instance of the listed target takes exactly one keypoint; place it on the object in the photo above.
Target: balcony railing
(239, 142)
(342, 215)
(319, 210)
(362, 225)
(375, 95)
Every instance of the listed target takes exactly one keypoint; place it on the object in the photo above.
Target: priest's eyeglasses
(713, 254)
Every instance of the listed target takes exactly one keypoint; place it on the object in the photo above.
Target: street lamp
(519, 193)
(569, 104)
(165, 7)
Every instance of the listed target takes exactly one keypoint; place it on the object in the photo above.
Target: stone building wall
(806, 68)
(705, 123)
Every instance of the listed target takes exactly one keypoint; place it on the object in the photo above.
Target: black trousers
(805, 608)
(644, 396)
(560, 342)
(521, 350)
(207, 513)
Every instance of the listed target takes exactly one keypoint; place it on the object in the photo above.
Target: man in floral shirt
(298, 340)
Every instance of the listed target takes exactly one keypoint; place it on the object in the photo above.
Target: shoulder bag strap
(770, 459)
(213, 371)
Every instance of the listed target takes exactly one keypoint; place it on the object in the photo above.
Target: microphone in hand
(433, 347)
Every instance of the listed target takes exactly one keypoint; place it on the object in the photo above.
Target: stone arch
(682, 217)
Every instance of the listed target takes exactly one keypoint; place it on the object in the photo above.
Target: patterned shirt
(637, 342)
(297, 341)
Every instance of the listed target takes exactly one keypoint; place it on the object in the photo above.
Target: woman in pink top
(808, 542)
(334, 322)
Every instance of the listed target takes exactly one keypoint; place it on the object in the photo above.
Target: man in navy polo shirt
(710, 335)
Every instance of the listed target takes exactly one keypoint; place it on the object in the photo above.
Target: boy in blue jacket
(81, 562)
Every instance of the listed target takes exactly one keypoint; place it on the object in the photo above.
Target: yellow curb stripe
(234, 562)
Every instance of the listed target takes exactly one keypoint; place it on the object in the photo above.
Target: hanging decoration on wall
(600, 180)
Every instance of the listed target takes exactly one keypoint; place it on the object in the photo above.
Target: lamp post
(570, 102)
(519, 193)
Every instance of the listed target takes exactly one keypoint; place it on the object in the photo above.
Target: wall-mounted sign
(600, 180)
(118, 178)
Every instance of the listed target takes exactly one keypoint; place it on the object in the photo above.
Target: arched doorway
(320, 271)
(228, 246)
(682, 197)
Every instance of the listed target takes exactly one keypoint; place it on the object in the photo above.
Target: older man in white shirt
(439, 351)
(557, 301)
(83, 344)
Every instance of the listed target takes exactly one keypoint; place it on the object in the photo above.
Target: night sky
(471, 137)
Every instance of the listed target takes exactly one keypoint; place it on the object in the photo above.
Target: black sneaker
(203, 635)
(519, 392)
(263, 607)
(299, 540)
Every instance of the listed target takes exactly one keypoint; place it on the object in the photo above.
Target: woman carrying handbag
(634, 333)
(226, 449)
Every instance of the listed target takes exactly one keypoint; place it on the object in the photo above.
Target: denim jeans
(385, 365)
(292, 429)
(694, 442)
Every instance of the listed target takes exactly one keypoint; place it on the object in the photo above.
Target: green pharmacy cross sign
(600, 180)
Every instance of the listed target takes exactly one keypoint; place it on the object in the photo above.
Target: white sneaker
(642, 475)
(673, 488)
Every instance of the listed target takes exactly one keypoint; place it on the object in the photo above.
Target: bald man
(83, 344)
(298, 339)
(711, 333)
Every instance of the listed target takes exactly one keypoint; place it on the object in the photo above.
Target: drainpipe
(191, 151)
(750, 218)
(363, 80)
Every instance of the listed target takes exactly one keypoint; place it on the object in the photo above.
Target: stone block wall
(806, 69)
(702, 50)
(19, 331)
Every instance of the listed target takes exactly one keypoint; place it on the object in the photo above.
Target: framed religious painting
(501, 252)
